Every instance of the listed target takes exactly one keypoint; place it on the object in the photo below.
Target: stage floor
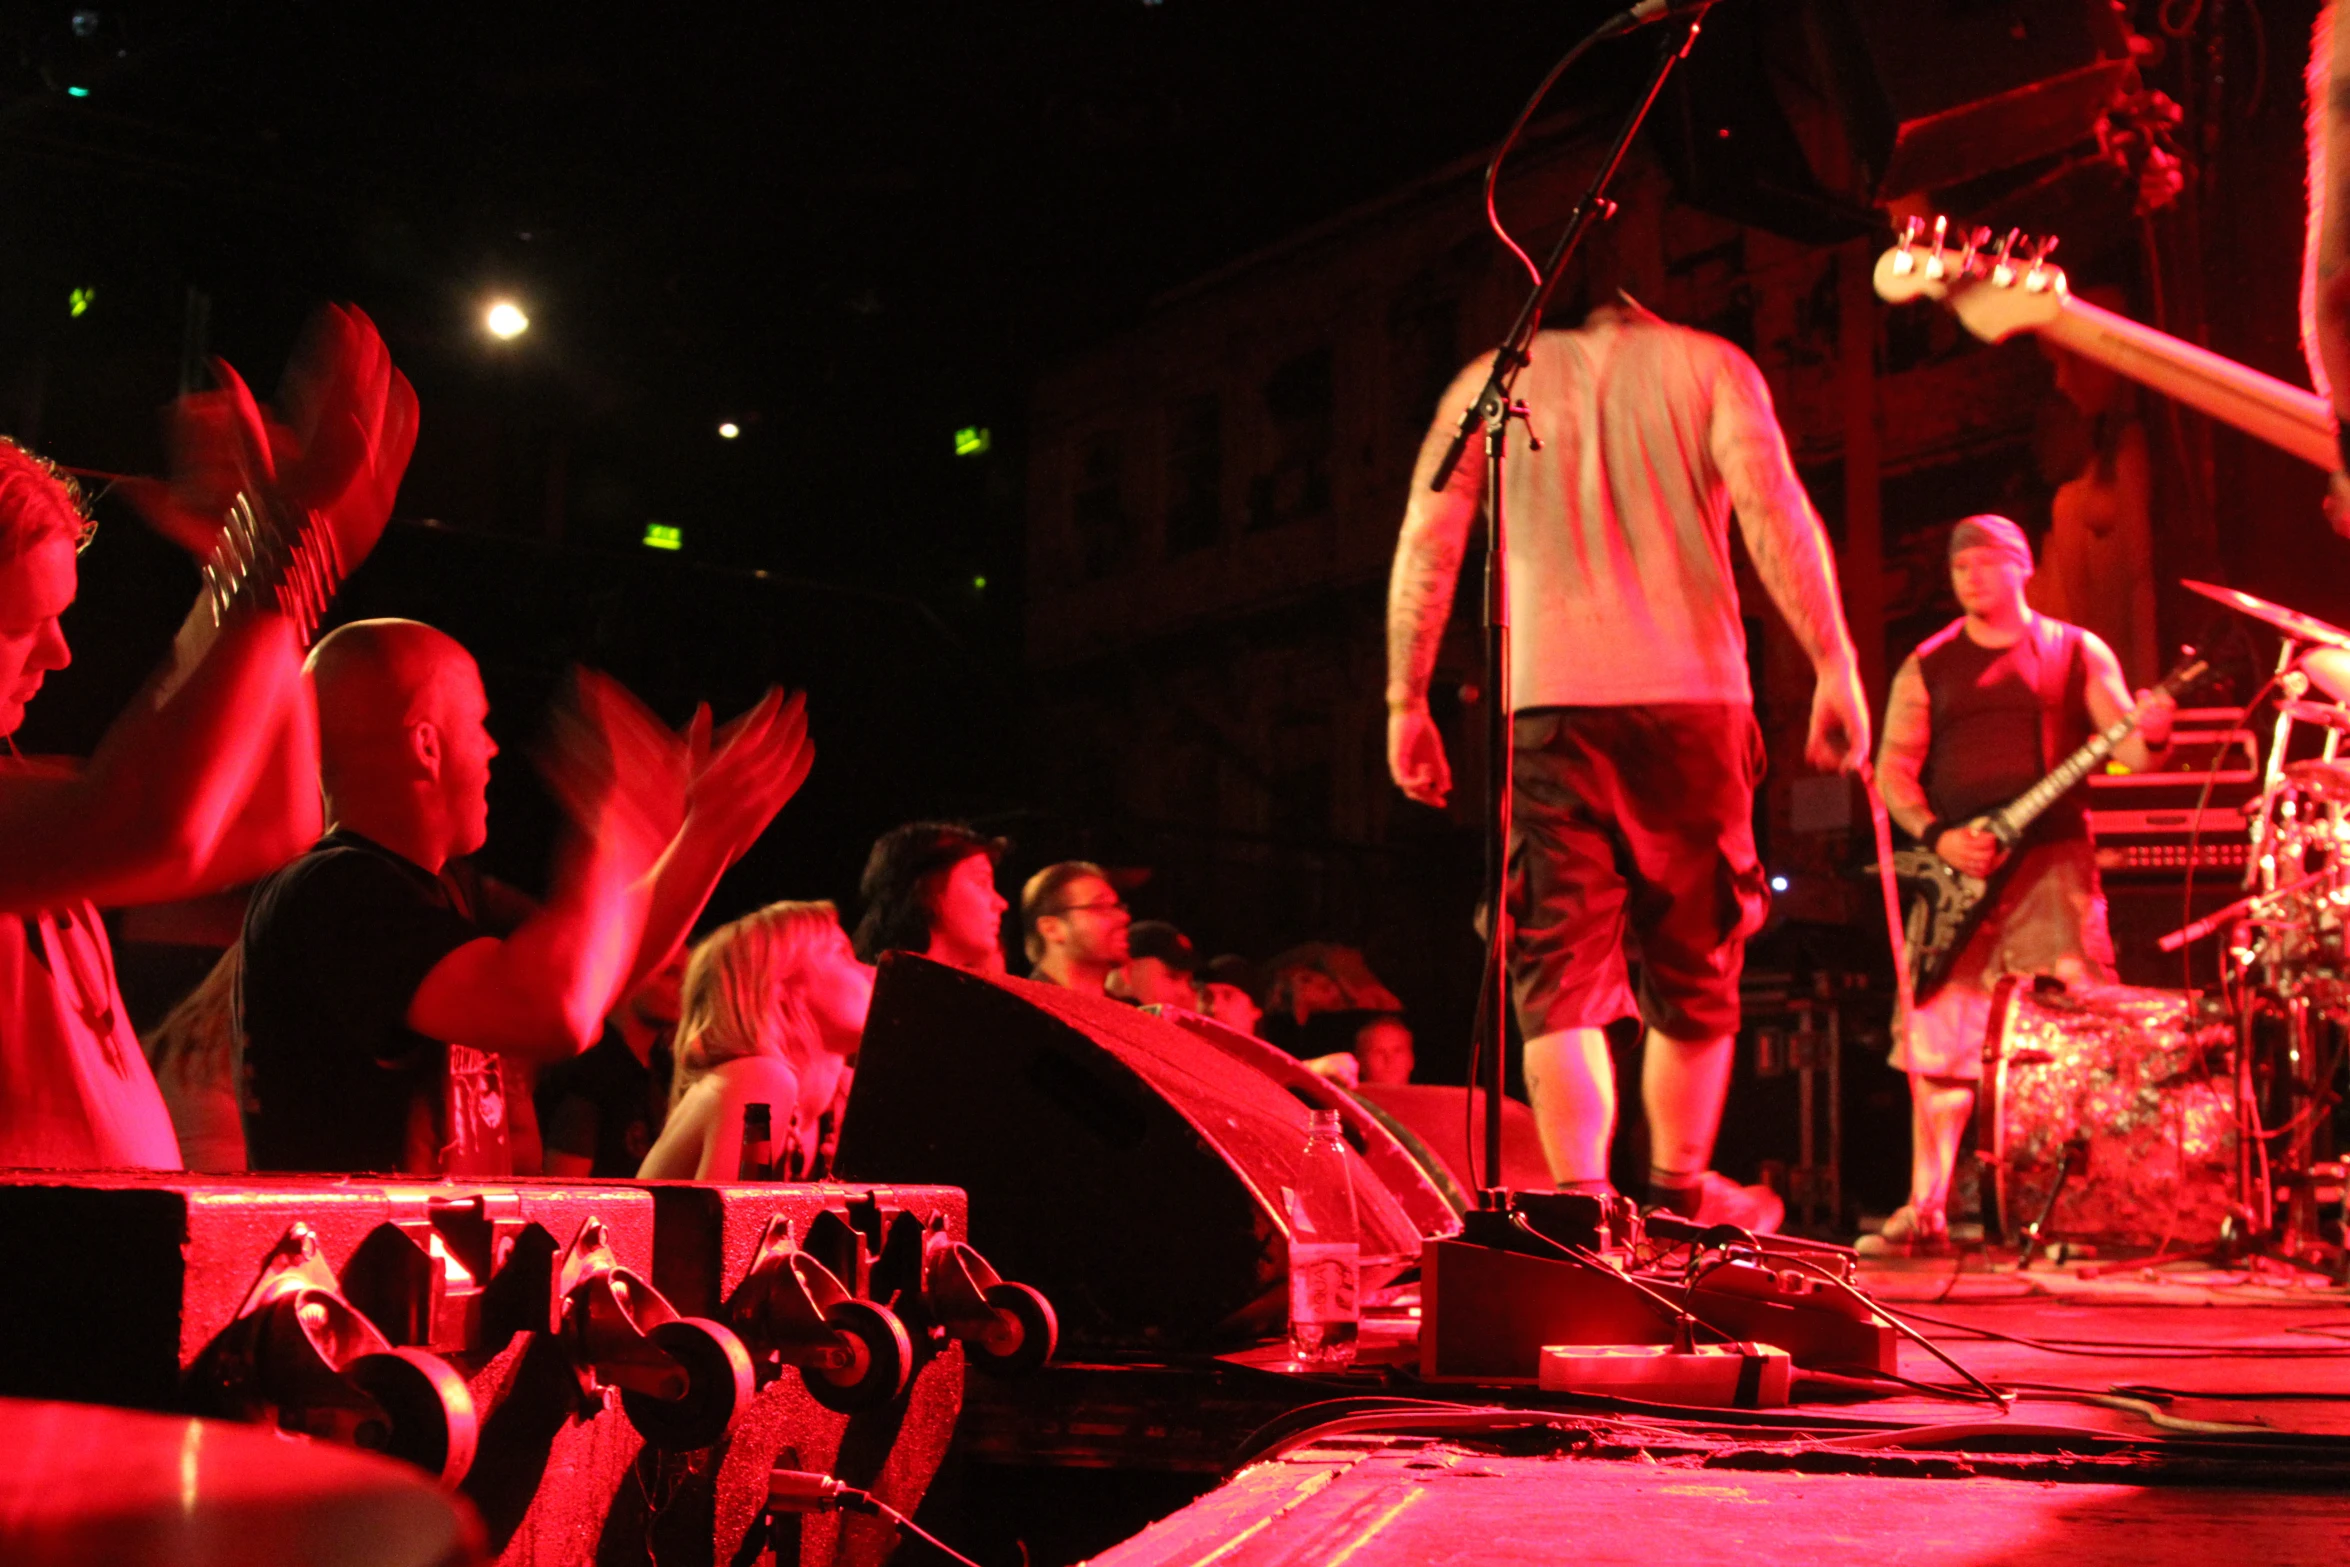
(2159, 1416)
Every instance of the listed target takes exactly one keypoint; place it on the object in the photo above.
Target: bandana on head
(1988, 532)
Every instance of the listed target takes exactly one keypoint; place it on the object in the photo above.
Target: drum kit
(2202, 1122)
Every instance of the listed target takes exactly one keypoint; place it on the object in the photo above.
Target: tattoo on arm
(1783, 534)
(1901, 755)
(1428, 551)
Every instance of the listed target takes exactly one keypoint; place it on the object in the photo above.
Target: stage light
(78, 303)
(1778, 884)
(664, 536)
(973, 440)
(979, 584)
(506, 321)
(729, 430)
(77, 92)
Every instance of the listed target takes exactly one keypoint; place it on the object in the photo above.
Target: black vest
(2001, 718)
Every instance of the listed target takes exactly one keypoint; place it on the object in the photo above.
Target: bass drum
(2139, 1084)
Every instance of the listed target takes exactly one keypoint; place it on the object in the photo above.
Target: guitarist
(1978, 714)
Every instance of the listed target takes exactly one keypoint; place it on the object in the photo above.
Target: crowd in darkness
(388, 1008)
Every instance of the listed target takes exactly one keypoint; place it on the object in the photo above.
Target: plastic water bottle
(1325, 1304)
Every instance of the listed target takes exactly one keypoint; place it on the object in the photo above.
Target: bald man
(377, 1000)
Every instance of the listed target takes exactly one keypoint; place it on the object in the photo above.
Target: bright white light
(729, 430)
(506, 320)
(1778, 884)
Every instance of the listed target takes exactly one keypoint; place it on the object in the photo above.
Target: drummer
(1981, 712)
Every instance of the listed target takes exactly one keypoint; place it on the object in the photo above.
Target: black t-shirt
(605, 1105)
(336, 944)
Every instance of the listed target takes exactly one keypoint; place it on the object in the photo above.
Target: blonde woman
(774, 1006)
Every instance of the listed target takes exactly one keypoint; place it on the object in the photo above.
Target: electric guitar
(1997, 293)
(1947, 904)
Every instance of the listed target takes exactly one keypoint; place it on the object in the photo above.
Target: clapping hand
(337, 444)
(741, 777)
(616, 770)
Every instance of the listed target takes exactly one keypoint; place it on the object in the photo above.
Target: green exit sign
(973, 440)
(664, 536)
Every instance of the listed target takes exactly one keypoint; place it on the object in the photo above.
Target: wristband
(261, 551)
(1932, 832)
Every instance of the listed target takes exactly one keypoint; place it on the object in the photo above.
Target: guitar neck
(2020, 812)
(2261, 406)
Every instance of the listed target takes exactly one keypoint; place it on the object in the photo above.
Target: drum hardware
(2076, 1152)
(2288, 958)
(2327, 782)
(2324, 714)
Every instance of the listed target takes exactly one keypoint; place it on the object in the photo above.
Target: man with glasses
(1074, 925)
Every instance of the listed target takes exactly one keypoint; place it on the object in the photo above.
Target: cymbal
(2325, 713)
(2294, 624)
(2328, 782)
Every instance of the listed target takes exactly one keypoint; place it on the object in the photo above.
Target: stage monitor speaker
(1938, 92)
(1130, 1171)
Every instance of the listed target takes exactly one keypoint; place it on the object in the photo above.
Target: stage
(2168, 1414)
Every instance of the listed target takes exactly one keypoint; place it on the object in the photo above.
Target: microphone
(1640, 15)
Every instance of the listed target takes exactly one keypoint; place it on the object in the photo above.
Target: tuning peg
(2003, 270)
(2038, 278)
(1904, 261)
(1935, 269)
(1973, 242)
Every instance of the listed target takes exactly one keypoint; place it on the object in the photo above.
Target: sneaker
(1907, 1234)
(1754, 1209)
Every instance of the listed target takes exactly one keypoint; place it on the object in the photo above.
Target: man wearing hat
(1982, 711)
(1161, 968)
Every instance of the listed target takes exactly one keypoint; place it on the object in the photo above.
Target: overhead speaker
(1130, 1170)
(1937, 92)
(1802, 118)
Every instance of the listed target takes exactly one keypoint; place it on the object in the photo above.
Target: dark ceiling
(851, 229)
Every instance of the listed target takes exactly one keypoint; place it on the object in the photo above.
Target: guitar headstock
(1996, 290)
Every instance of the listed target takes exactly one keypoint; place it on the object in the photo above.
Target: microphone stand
(1491, 413)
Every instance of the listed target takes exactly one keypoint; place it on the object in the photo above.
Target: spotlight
(729, 430)
(506, 321)
(1778, 884)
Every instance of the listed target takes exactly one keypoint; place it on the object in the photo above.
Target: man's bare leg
(1572, 1083)
(1938, 1111)
(1683, 1084)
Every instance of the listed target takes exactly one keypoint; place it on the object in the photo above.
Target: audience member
(205, 781)
(774, 1007)
(1161, 970)
(1383, 1051)
(377, 1002)
(929, 887)
(198, 1060)
(1229, 987)
(600, 1111)
(1074, 926)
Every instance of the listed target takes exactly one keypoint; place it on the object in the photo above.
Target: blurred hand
(1839, 737)
(2337, 503)
(1339, 1067)
(2161, 711)
(1975, 853)
(1415, 756)
(748, 771)
(338, 444)
(618, 773)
